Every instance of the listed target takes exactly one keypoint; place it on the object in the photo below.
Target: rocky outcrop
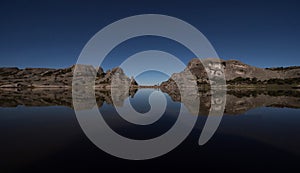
(61, 78)
(234, 69)
(231, 69)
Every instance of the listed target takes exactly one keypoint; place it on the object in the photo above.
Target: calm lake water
(259, 131)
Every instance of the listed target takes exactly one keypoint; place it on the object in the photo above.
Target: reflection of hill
(237, 101)
(54, 97)
(241, 101)
(238, 105)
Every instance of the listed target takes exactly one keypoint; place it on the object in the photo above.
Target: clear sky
(53, 33)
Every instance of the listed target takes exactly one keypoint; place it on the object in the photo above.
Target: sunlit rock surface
(231, 69)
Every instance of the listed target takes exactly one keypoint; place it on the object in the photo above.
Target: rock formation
(61, 78)
(231, 69)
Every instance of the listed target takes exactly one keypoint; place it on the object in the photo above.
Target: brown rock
(231, 68)
(60, 78)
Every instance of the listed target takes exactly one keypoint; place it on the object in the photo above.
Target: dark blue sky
(53, 33)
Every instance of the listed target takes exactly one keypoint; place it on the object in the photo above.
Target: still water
(259, 131)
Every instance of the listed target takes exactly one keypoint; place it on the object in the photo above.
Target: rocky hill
(60, 78)
(232, 69)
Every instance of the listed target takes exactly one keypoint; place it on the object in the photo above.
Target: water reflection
(57, 97)
(45, 131)
(241, 101)
(237, 101)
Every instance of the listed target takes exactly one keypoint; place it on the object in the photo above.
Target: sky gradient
(53, 33)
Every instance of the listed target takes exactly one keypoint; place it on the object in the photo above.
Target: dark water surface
(260, 131)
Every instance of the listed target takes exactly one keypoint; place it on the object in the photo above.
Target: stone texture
(61, 78)
(231, 69)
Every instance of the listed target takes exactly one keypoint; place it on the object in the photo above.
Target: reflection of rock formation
(239, 102)
(236, 101)
(57, 97)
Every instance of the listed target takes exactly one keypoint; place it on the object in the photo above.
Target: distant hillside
(283, 68)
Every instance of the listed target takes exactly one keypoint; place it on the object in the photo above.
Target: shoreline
(201, 87)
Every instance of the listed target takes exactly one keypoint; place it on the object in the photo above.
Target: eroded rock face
(194, 72)
(231, 69)
(234, 69)
(60, 78)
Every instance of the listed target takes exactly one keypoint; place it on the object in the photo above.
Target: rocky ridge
(61, 78)
(231, 69)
